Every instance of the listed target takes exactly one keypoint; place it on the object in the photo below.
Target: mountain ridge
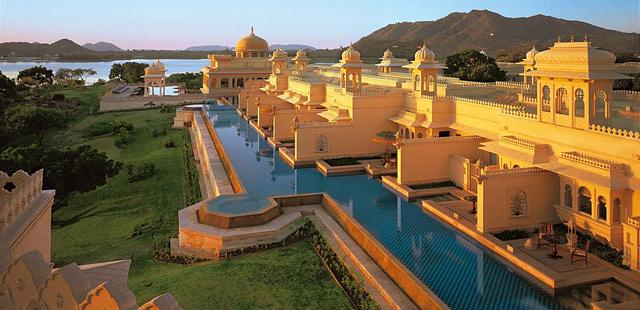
(492, 32)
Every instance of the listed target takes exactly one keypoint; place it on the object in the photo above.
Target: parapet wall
(25, 214)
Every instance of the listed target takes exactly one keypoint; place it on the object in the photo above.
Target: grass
(123, 220)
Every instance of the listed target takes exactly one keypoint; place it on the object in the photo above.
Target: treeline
(31, 108)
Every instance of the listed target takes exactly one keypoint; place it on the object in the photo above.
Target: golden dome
(425, 54)
(351, 55)
(279, 53)
(252, 43)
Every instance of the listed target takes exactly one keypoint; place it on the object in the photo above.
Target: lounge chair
(580, 254)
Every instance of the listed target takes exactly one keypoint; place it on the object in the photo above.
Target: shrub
(170, 143)
(158, 132)
(141, 172)
(122, 126)
(191, 184)
(432, 185)
(347, 161)
(507, 235)
(57, 97)
(100, 128)
(123, 139)
(167, 109)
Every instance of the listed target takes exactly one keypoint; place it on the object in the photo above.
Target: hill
(208, 48)
(102, 47)
(485, 30)
(25, 49)
(292, 47)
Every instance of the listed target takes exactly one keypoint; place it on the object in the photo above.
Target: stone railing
(634, 221)
(371, 92)
(519, 113)
(25, 188)
(436, 139)
(626, 92)
(514, 171)
(529, 99)
(615, 131)
(483, 102)
(519, 142)
(307, 80)
(511, 84)
(591, 161)
(321, 124)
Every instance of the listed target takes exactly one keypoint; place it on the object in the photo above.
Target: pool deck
(552, 275)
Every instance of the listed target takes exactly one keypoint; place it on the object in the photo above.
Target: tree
(36, 76)
(474, 66)
(8, 91)
(28, 119)
(71, 170)
(386, 138)
(130, 72)
(72, 77)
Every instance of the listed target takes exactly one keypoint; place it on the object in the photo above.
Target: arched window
(505, 166)
(419, 135)
(322, 144)
(600, 104)
(416, 82)
(515, 166)
(616, 211)
(584, 200)
(240, 82)
(602, 208)
(546, 98)
(561, 101)
(568, 196)
(412, 135)
(579, 102)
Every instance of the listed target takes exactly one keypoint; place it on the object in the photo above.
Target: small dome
(301, 54)
(279, 53)
(252, 43)
(351, 55)
(155, 68)
(425, 54)
(387, 54)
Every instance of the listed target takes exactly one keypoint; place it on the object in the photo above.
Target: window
(224, 83)
(616, 211)
(419, 135)
(515, 166)
(561, 101)
(584, 201)
(444, 133)
(546, 98)
(568, 198)
(416, 82)
(322, 144)
(600, 104)
(602, 208)
(579, 102)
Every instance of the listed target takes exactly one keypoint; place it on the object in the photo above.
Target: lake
(102, 68)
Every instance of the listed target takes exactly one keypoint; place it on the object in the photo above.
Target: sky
(178, 24)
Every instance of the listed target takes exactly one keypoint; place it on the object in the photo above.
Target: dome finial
(252, 30)
(572, 38)
(586, 37)
(559, 39)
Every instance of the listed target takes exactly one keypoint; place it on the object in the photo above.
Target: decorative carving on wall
(518, 202)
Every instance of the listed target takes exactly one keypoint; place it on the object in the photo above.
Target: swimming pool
(462, 273)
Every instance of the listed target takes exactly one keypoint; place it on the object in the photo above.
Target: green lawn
(98, 225)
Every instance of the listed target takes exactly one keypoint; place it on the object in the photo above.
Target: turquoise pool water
(462, 273)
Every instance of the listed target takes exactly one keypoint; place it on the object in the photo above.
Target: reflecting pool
(460, 271)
